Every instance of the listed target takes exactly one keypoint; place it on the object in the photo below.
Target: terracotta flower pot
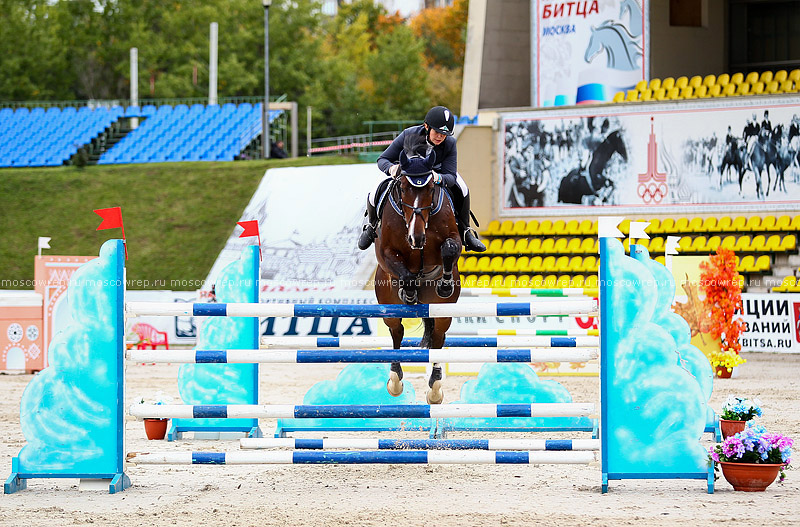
(723, 373)
(155, 428)
(729, 428)
(750, 477)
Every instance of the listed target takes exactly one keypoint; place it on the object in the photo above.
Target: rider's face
(436, 137)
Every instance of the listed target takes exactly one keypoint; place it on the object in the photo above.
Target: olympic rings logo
(652, 193)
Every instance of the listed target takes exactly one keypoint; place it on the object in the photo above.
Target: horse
(622, 50)
(733, 158)
(574, 186)
(417, 248)
(531, 179)
(758, 161)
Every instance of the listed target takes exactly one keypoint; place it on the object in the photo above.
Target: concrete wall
(676, 51)
(476, 162)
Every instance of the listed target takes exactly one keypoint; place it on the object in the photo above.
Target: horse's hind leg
(395, 383)
(436, 327)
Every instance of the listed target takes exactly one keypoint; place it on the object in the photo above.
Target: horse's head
(416, 195)
(594, 47)
(615, 140)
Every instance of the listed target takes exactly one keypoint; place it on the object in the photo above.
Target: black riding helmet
(441, 119)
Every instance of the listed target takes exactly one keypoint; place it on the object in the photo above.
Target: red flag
(251, 229)
(112, 219)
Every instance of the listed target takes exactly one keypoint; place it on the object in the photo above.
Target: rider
(435, 133)
(765, 133)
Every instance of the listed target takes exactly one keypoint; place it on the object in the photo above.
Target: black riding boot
(368, 234)
(469, 239)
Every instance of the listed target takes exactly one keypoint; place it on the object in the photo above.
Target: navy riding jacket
(414, 141)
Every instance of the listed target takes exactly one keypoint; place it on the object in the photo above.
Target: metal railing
(349, 144)
(110, 103)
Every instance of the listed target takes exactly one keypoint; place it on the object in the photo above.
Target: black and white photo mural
(712, 156)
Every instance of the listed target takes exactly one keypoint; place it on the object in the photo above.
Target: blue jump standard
(362, 356)
(509, 309)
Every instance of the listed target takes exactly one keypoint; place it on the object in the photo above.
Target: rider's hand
(394, 170)
(437, 178)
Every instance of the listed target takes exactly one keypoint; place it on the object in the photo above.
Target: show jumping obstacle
(641, 438)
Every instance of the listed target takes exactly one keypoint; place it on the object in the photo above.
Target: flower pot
(155, 428)
(723, 373)
(729, 428)
(750, 477)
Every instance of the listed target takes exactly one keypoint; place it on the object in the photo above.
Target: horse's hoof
(435, 395)
(445, 289)
(394, 385)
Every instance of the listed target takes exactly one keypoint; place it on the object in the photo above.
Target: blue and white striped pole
(488, 309)
(423, 411)
(433, 457)
(316, 356)
(352, 443)
(501, 341)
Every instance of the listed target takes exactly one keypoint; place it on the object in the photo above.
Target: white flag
(44, 242)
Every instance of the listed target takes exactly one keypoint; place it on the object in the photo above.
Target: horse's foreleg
(408, 288)
(435, 394)
(395, 383)
(451, 249)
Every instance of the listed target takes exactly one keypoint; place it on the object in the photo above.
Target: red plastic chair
(149, 337)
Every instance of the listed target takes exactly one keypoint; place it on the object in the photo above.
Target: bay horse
(417, 247)
(574, 186)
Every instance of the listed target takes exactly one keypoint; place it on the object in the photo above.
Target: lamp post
(265, 142)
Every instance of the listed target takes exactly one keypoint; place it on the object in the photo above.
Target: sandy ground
(459, 495)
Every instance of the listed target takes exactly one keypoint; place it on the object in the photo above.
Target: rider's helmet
(441, 119)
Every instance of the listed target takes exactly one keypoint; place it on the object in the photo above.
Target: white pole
(308, 131)
(134, 84)
(212, 65)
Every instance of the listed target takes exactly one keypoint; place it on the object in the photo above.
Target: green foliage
(177, 215)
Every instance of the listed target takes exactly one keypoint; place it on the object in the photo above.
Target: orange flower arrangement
(722, 285)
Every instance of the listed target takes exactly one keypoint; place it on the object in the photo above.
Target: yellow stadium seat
(668, 83)
(506, 228)
(743, 89)
(661, 260)
(590, 227)
(550, 281)
(709, 80)
(547, 245)
(493, 229)
(753, 223)
(789, 86)
(632, 96)
(534, 246)
(469, 280)
(780, 76)
(765, 77)
(788, 283)
(510, 281)
(696, 81)
(715, 91)
(560, 228)
(655, 84)
(773, 87)
(545, 228)
(626, 244)
(742, 244)
(590, 282)
(656, 245)
(795, 225)
(549, 264)
(560, 246)
(661, 94)
(508, 246)
(532, 228)
(469, 265)
(789, 243)
(746, 264)
(625, 226)
(647, 95)
(483, 264)
(783, 223)
(496, 264)
(520, 228)
(681, 82)
(587, 246)
(758, 243)
(763, 263)
(509, 264)
(682, 225)
(701, 92)
(535, 265)
(723, 80)
(618, 97)
(728, 242)
(573, 228)
(751, 77)
(699, 245)
(685, 244)
(577, 281)
(537, 281)
(724, 224)
(589, 265)
(496, 281)
(713, 243)
(687, 92)
(668, 225)
(574, 246)
(773, 243)
(757, 88)
(709, 224)
(674, 94)
(737, 78)
(521, 247)
(495, 246)
(575, 264)
(768, 223)
(522, 265)
(483, 281)
(563, 280)
(654, 227)
(729, 90)
(739, 224)
(794, 76)
(523, 281)
(562, 264)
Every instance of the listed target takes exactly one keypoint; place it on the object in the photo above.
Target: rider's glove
(394, 170)
(437, 178)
